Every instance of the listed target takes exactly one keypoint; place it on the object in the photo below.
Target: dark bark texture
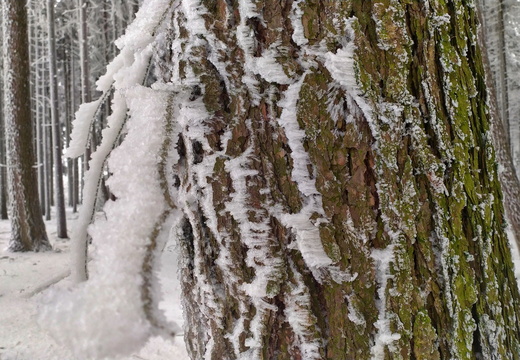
(338, 182)
(27, 227)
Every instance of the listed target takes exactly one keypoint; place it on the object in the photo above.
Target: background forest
(84, 45)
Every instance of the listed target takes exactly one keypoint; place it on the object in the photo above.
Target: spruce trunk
(338, 182)
(27, 227)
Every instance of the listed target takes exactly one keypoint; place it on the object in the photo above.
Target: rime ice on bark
(384, 336)
(246, 40)
(307, 232)
(298, 34)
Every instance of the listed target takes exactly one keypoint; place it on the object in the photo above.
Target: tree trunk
(68, 86)
(3, 160)
(47, 146)
(56, 127)
(40, 115)
(74, 162)
(27, 227)
(85, 80)
(338, 183)
(3, 169)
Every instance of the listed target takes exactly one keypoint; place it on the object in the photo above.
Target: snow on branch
(109, 314)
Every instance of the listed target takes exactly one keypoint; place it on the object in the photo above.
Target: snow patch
(81, 128)
(307, 232)
(270, 69)
(384, 336)
(298, 35)
(515, 252)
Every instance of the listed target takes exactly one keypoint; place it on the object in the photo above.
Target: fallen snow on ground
(25, 277)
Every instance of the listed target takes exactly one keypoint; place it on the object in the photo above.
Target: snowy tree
(329, 173)
(67, 64)
(27, 227)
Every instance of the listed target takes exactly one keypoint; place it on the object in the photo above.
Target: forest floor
(25, 277)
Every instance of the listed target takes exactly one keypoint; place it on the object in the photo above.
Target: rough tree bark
(339, 218)
(27, 227)
(335, 223)
(327, 217)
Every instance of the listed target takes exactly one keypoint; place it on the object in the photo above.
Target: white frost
(298, 35)
(104, 316)
(307, 232)
(384, 336)
(81, 128)
(270, 69)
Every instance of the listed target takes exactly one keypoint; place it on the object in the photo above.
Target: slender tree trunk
(75, 170)
(503, 69)
(85, 81)
(68, 92)
(56, 127)
(27, 227)
(338, 183)
(50, 147)
(3, 173)
(3, 161)
(115, 22)
(42, 141)
(47, 145)
(39, 140)
(39, 95)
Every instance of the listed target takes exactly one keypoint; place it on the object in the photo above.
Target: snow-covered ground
(25, 277)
